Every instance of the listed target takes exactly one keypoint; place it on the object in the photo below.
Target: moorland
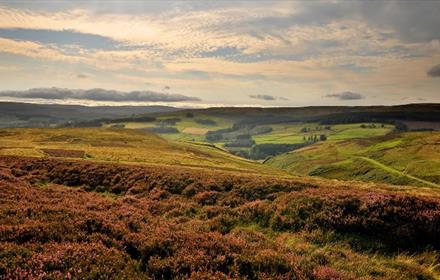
(224, 193)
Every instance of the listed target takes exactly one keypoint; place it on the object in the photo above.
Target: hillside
(322, 114)
(257, 133)
(87, 220)
(399, 158)
(14, 114)
(121, 145)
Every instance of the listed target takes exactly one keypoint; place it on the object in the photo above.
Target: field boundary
(392, 170)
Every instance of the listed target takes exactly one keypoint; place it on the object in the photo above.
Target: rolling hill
(122, 145)
(411, 158)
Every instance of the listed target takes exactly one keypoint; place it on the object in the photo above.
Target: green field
(288, 133)
(408, 158)
(291, 133)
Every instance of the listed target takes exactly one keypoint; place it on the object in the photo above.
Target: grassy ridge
(406, 158)
(122, 145)
(84, 219)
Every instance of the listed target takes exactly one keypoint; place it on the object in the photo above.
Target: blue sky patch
(60, 38)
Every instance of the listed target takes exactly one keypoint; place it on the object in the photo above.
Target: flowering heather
(64, 219)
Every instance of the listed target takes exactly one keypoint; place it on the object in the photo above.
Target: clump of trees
(258, 130)
(314, 138)
(206, 121)
(318, 128)
(218, 135)
(244, 140)
(133, 119)
(371, 125)
(169, 122)
(262, 151)
(162, 129)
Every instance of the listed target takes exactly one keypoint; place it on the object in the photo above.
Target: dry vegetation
(122, 145)
(88, 220)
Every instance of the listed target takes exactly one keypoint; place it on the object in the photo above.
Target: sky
(220, 53)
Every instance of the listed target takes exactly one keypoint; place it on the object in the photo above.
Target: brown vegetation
(64, 153)
(162, 223)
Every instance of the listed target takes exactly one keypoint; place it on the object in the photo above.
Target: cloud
(82, 76)
(262, 97)
(434, 71)
(266, 97)
(98, 94)
(413, 21)
(346, 95)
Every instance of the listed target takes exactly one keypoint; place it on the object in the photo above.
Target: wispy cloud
(346, 95)
(266, 97)
(98, 94)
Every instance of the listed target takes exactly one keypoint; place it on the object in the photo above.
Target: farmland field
(190, 129)
(291, 133)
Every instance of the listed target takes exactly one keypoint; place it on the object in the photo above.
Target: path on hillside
(392, 170)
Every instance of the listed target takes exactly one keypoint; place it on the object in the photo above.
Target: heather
(85, 220)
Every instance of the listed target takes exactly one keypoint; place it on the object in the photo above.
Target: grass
(123, 145)
(291, 133)
(406, 158)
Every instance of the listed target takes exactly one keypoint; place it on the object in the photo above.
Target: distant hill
(324, 114)
(43, 115)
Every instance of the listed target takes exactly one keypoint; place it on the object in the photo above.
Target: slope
(65, 219)
(121, 145)
(405, 158)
